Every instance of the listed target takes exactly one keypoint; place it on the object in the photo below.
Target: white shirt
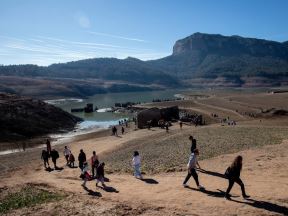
(136, 160)
(67, 151)
(192, 161)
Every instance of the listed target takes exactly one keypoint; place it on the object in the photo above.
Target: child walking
(136, 162)
(192, 163)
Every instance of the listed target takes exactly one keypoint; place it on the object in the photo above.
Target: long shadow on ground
(109, 189)
(265, 205)
(268, 206)
(149, 181)
(220, 175)
(92, 193)
(218, 193)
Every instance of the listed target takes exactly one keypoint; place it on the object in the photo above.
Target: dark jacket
(193, 145)
(233, 173)
(82, 157)
(100, 171)
(54, 155)
(44, 155)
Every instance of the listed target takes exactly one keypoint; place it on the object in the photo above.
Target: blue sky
(51, 31)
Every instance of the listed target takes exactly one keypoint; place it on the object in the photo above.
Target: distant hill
(197, 60)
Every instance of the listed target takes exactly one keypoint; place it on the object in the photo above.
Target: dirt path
(228, 111)
(265, 174)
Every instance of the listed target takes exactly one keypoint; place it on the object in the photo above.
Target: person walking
(85, 174)
(233, 175)
(193, 143)
(122, 130)
(45, 158)
(181, 125)
(100, 175)
(67, 153)
(48, 146)
(81, 158)
(71, 160)
(167, 126)
(94, 163)
(54, 156)
(136, 162)
(192, 163)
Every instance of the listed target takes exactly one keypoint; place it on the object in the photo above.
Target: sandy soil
(265, 174)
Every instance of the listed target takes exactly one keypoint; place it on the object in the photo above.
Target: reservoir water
(103, 119)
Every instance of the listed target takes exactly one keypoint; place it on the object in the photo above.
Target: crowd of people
(232, 173)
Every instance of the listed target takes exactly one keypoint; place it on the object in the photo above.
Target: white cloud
(83, 20)
(47, 50)
(117, 36)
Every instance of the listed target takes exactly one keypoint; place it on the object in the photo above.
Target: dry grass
(169, 152)
(26, 196)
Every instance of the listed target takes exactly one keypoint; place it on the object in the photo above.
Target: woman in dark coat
(233, 175)
(81, 158)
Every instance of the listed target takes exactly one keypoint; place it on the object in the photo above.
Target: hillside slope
(26, 118)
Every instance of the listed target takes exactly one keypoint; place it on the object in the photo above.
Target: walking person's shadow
(268, 206)
(218, 193)
(110, 189)
(220, 175)
(149, 181)
(92, 193)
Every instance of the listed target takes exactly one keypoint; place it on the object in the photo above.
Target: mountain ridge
(212, 57)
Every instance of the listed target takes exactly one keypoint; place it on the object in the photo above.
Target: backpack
(228, 172)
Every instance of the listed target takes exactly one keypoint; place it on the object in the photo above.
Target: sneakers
(246, 196)
(200, 187)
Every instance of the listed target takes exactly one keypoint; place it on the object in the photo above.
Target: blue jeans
(137, 172)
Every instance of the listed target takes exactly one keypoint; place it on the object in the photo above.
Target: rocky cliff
(230, 45)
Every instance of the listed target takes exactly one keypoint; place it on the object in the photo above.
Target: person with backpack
(233, 175)
(54, 156)
(192, 163)
(136, 162)
(81, 158)
(100, 175)
(45, 158)
(67, 153)
(94, 163)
